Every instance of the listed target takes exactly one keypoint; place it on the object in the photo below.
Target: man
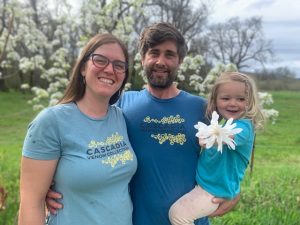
(160, 121)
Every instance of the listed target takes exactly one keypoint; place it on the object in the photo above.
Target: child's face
(231, 99)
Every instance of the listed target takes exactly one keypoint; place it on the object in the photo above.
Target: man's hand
(51, 201)
(225, 205)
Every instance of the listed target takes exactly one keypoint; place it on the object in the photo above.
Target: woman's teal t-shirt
(96, 163)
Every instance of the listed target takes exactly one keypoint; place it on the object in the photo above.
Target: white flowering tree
(93, 21)
(65, 41)
(47, 47)
(7, 10)
(28, 42)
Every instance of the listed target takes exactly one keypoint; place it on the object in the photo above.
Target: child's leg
(191, 206)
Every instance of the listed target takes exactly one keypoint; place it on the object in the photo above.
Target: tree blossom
(25, 86)
(265, 98)
(217, 133)
(271, 114)
(38, 107)
(127, 86)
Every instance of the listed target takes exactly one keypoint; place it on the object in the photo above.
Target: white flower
(216, 133)
(25, 86)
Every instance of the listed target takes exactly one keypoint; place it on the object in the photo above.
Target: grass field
(271, 196)
(15, 114)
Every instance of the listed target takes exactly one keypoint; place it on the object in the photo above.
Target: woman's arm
(35, 180)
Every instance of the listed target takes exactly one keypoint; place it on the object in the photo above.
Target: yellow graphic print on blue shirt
(165, 126)
(123, 158)
(113, 148)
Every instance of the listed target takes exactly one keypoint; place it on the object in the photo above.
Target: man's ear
(180, 61)
(142, 61)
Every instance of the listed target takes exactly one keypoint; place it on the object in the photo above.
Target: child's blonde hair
(253, 110)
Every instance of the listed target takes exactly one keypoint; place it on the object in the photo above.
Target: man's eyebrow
(171, 51)
(154, 50)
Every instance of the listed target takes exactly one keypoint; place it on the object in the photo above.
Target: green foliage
(271, 196)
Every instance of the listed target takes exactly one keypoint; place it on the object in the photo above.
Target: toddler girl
(219, 173)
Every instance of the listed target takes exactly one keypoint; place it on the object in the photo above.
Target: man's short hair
(158, 33)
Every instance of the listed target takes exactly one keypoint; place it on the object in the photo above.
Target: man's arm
(51, 201)
(225, 205)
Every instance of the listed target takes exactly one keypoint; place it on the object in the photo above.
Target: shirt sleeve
(246, 134)
(42, 139)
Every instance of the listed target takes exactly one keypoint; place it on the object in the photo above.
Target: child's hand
(201, 142)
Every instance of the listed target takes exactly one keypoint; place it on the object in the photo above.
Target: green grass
(15, 115)
(271, 196)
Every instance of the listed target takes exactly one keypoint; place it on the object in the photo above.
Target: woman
(82, 145)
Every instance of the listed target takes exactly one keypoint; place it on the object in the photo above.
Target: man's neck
(163, 93)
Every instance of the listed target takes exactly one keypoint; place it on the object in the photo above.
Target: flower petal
(236, 130)
(210, 141)
(214, 118)
(200, 125)
(220, 143)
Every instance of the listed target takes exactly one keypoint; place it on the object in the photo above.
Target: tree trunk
(3, 86)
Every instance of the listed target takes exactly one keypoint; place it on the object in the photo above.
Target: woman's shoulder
(64, 106)
(56, 110)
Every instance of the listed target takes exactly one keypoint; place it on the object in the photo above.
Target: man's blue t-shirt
(96, 163)
(162, 135)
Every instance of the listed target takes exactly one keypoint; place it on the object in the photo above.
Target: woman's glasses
(100, 61)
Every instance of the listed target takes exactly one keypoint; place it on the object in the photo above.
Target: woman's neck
(93, 107)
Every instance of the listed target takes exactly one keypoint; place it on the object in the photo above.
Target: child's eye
(225, 99)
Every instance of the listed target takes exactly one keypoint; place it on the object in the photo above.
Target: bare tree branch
(9, 30)
(239, 42)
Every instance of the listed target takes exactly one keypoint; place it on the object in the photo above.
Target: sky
(281, 25)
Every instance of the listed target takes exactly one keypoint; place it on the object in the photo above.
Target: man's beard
(160, 82)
